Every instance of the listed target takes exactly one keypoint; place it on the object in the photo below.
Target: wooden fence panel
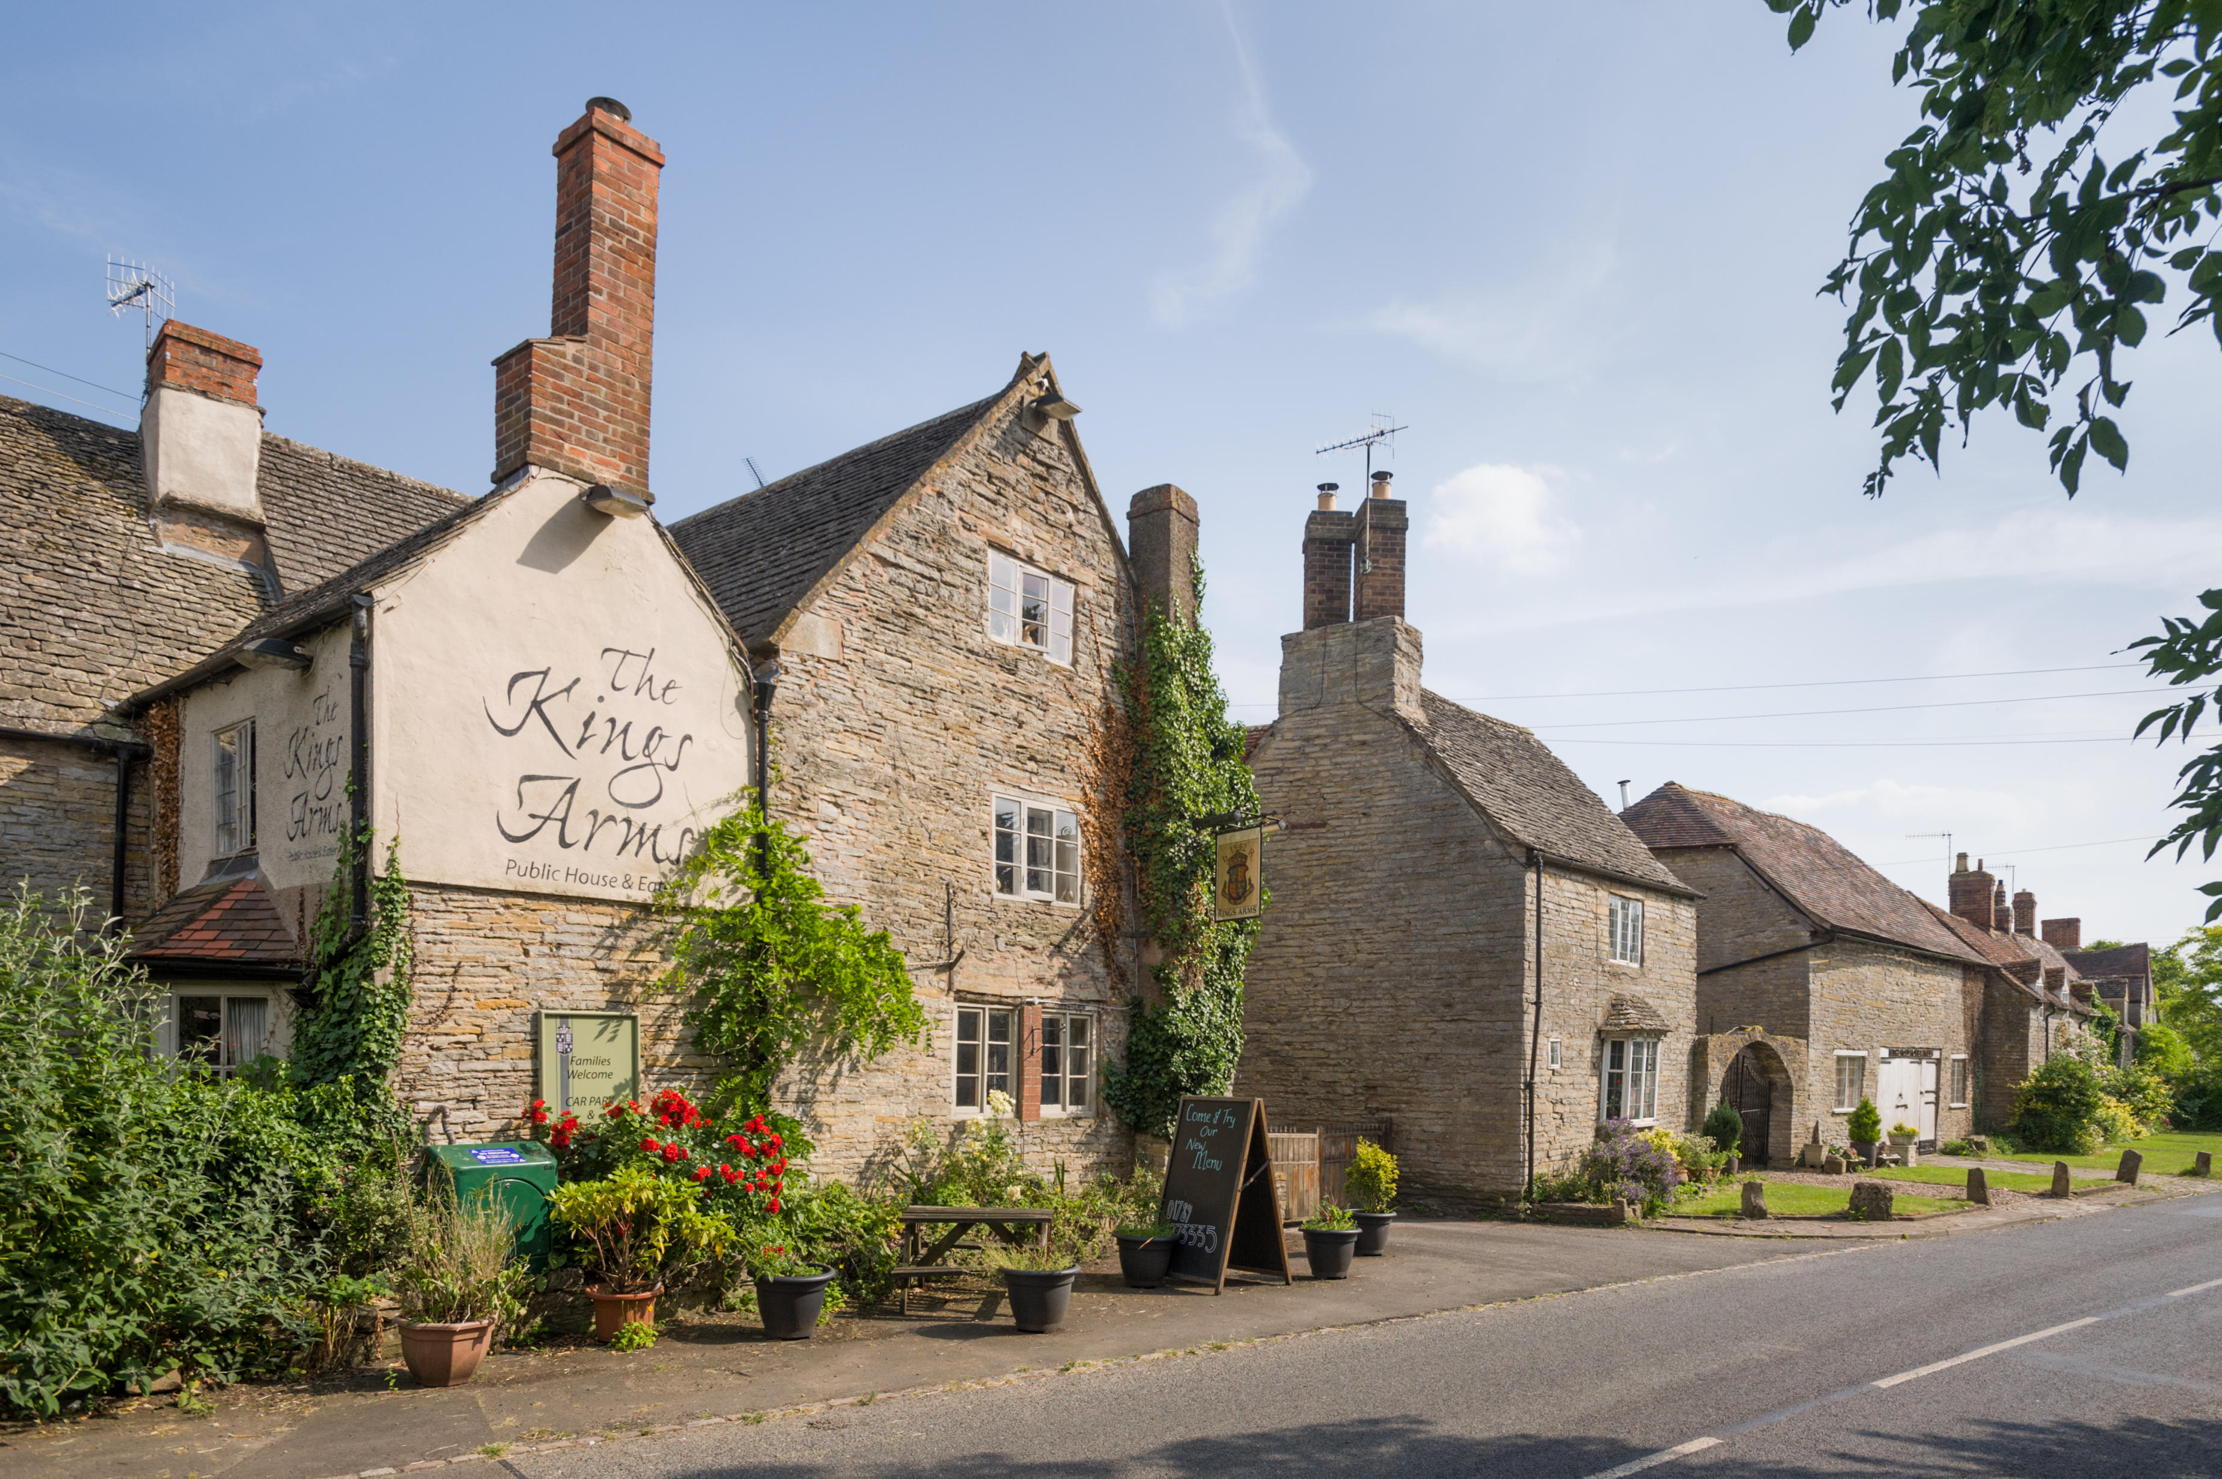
(1338, 1147)
(1296, 1172)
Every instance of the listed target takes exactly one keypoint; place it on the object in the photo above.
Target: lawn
(2029, 1181)
(1796, 1199)
(2165, 1154)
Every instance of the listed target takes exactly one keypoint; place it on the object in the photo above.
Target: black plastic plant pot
(1039, 1297)
(1329, 1253)
(1373, 1233)
(789, 1304)
(1143, 1261)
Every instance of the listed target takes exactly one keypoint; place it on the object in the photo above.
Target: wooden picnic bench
(924, 1262)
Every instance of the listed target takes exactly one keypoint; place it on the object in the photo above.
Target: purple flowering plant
(1626, 1165)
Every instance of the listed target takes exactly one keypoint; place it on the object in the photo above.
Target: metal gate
(1752, 1092)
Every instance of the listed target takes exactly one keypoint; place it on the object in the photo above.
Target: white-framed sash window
(224, 1027)
(1029, 608)
(1624, 920)
(1631, 1080)
(1851, 1079)
(1068, 1059)
(1037, 850)
(233, 780)
(1958, 1081)
(985, 1041)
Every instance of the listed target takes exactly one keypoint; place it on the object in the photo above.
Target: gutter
(124, 752)
(1538, 856)
(1755, 959)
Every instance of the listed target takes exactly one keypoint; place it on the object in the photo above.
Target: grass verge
(1797, 1199)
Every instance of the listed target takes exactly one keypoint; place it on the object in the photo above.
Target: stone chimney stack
(1327, 558)
(2025, 913)
(2064, 934)
(200, 436)
(1970, 893)
(577, 401)
(1161, 545)
(1381, 525)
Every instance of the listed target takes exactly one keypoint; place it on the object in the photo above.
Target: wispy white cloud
(1964, 809)
(1502, 518)
(1547, 325)
(1239, 231)
(2049, 546)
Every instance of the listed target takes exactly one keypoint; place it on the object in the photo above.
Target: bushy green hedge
(151, 1217)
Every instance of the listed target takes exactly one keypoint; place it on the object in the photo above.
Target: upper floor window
(1625, 921)
(1029, 608)
(1037, 851)
(235, 789)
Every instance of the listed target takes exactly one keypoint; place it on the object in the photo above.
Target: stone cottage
(541, 695)
(1462, 938)
(1821, 983)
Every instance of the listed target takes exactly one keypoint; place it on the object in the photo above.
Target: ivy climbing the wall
(771, 967)
(357, 987)
(1187, 764)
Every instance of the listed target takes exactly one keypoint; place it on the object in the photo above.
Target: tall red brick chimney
(577, 401)
(2064, 934)
(1382, 522)
(2025, 913)
(1969, 891)
(1327, 556)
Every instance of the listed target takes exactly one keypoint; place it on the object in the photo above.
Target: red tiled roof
(231, 921)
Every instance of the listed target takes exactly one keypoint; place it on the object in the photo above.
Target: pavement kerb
(1070, 1368)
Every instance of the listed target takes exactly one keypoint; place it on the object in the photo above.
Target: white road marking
(2195, 1289)
(1663, 1456)
(1988, 1350)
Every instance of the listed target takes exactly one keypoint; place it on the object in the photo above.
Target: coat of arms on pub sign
(1238, 879)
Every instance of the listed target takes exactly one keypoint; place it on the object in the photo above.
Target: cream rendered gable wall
(556, 709)
(301, 718)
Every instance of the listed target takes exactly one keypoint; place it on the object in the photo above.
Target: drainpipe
(1535, 1034)
(358, 720)
(767, 687)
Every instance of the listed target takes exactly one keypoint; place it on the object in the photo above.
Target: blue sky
(1574, 247)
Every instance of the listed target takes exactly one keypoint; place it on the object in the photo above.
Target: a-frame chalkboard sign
(1219, 1193)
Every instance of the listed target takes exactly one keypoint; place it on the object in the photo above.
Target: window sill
(1002, 898)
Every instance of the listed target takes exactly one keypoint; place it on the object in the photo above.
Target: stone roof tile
(227, 921)
(1625, 1014)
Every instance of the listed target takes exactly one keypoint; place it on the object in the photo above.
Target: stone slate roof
(1625, 1014)
(1529, 793)
(2113, 963)
(1812, 869)
(228, 921)
(761, 554)
(92, 609)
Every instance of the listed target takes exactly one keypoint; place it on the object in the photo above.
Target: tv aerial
(1382, 434)
(136, 285)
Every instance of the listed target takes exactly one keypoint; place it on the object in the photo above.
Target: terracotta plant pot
(1329, 1253)
(614, 1311)
(1039, 1297)
(1373, 1233)
(1143, 1261)
(789, 1304)
(445, 1355)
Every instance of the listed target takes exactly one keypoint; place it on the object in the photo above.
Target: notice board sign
(1219, 1193)
(586, 1059)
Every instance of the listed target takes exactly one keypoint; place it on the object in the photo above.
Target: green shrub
(642, 1230)
(2161, 1049)
(1331, 1218)
(2143, 1093)
(460, 1264)
(2057, 1108)
(1700, 1156)
(153, 1217)
(1724, 1126)
(833, 1225)
(1865, 1126)
(1371, 1179)
(1956, 1147)
(1630, 1164)
(2116, 1121)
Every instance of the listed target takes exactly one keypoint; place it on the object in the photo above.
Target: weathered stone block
(1755, 1199)
(1871, 1202)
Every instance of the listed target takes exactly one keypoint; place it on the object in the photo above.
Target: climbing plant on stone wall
(1187, 764)
(770, 968)
(357, 987)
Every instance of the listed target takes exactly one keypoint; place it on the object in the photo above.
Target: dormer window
(1029, 608)
(234, 789)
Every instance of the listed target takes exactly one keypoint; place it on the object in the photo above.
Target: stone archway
(1760, 1073)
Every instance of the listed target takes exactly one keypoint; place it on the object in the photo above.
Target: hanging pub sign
(1238, 874)
(587, 1059)
(1219, 1193)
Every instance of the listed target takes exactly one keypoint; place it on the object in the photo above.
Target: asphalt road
(2087, 1347)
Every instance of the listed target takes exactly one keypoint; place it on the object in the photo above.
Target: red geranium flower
(772, 1205)
(701, 1173)
(651, 1145)
(675, 1152)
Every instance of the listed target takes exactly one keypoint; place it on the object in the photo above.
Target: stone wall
(1867, 997)
(1745, 931)
(898, 718)
(58, 827)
